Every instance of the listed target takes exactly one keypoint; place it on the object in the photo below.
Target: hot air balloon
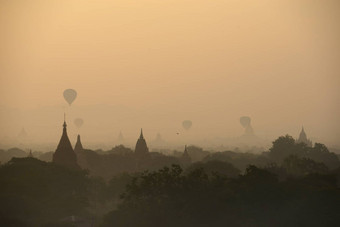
(245, 121)
(78, 122)
(187, 124)
(70, 95)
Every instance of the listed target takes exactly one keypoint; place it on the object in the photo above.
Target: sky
(153, 64)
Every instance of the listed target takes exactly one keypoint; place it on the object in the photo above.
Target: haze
(152, 64)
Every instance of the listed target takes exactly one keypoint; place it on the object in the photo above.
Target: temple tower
(141, 147)
(303, 138)
(64, 154)
(78, 148)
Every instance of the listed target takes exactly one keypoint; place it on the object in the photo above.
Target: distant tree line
(290, 185)
(170, 197)
(121, 159)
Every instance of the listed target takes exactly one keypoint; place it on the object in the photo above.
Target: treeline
(170, 197)
(282, 147)
(37, 193)
(121, 159)
(214, 193)
(7, 155)
(290, 185)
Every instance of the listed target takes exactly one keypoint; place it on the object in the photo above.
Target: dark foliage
(6, 155)
(215, 167)
(196, 153)
(34, 192)
(239, 160)
(286, 146)
(121, 160)
(291, 185)
(169, 197)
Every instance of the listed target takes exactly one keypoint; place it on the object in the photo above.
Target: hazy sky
(153, 63)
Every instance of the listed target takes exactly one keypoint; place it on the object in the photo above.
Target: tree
(215, 166)
(285, 146)
(303, 166)
(37, 192)
(321, 153)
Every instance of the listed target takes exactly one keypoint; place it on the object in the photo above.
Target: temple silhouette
(64, 154)
(303, 138)
(78, 148)
(80, 153)
(141, 147)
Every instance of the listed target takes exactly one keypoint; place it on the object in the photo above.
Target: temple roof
(78, 147)
(141, 147)
(64, 154)
(141, 134)
(303, 138)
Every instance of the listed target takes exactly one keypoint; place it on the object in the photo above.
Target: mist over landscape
(145, 113)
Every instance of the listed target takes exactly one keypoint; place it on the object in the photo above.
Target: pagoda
(78, 148)
(303, 138)
(141, 147)
(64, 154)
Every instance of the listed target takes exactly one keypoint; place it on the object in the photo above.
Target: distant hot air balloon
(70, 95)
(187, 124)
(245, 121)
(78, 122)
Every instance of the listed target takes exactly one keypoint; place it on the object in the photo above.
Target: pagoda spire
(303, 138)
(78, 147)
(64, 125)
(64, 154)
(141, 134)
(141, 148)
